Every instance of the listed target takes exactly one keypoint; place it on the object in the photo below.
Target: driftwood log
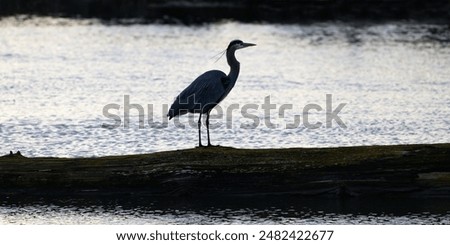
(409, 171)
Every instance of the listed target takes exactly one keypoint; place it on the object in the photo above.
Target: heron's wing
(201, 95)
(209, 88)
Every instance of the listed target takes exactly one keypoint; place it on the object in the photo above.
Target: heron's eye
(235, 43)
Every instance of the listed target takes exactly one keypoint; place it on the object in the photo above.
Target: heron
(208, 90)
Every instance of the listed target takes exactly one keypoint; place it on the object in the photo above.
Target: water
(57, 75)
(156, 212)
(53, 215)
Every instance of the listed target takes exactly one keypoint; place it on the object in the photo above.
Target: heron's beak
(245, 45)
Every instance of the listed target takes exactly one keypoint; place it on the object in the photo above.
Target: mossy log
(418, 171)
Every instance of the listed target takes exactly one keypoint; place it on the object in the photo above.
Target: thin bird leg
(200, 131)
(207, 127)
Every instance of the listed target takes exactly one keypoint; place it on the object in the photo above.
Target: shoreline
(204, 11)
(400, 171)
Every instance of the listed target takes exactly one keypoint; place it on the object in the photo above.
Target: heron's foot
(206, 146)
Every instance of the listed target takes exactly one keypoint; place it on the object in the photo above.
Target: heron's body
(198, 97)
(209, 89)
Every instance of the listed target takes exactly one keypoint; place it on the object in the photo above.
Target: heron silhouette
(208, 90)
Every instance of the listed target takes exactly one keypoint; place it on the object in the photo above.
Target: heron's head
(238, 44)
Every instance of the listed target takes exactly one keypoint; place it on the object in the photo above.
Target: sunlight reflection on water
(56, 79)
(52, 214)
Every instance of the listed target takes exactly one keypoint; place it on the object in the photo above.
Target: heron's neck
(234, 66)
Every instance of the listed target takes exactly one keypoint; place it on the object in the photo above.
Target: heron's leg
(200, 131)
(207, 127)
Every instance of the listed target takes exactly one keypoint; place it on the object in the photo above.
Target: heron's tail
(179, 108)
(175, 109)
(171, 114)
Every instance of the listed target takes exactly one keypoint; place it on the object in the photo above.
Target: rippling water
(47, 215)
(317, 211)
(57, 75)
